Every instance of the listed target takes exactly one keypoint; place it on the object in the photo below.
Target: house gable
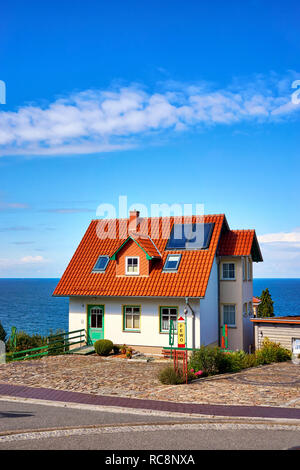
(131, 249)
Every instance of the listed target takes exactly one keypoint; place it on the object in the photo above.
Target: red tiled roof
(239, 243)
(256, 300)
(190, 280)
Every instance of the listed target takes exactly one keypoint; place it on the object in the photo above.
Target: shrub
(124, 349)
(26, 341)
(103, 347)
(194, 375)
(116, 348)
(2, 333)
(169, 376)
(57, 342)
(206, 359)
(272, 352)
(232, 361)
(250, 361)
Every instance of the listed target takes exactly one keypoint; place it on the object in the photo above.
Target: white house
(129, 277)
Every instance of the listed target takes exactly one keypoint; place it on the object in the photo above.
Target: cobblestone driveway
(272, 385)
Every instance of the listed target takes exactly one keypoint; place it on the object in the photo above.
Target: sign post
(171, 335)
(181, 332)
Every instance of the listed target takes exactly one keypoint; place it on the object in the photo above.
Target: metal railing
(56, 344)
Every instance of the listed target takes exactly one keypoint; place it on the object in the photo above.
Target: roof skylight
(172, 263)
(101, 264)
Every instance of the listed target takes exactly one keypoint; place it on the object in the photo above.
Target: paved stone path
(135, 403)
(275, 385)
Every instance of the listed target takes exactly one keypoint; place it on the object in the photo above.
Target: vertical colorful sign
(181, 333)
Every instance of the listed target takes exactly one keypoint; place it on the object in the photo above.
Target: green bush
(2, 333)
(250, 361)
(207, 359)
(272, 352)
(168, 376)
(103, 347)
(116, 348)
(26, 341)
(57, 342)
(232, 361)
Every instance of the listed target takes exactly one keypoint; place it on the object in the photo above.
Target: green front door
(95, 322)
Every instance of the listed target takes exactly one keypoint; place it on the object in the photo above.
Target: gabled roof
(256, 300)
(189, 281)
(240, 243)
(144, 242)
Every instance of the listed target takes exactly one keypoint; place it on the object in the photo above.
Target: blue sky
(164, 102)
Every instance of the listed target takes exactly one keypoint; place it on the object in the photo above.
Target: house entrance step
(84, 350)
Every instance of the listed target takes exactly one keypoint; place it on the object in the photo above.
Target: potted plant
(123, 349)
(129, 353)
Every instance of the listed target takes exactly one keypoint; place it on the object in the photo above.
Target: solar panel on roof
(190, 236)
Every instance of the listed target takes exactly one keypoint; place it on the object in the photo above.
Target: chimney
(133, 219)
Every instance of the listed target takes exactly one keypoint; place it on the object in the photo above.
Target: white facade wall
(209, 313)
(149, 334)
(247, 297)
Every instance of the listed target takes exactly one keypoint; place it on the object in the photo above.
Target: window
(244, 310)
(131, 317)
(249, 269)
(228, 271)
(101, 264)
(229, 315)
(172, 263)
(167, 314)
(132, 265)
(96, 315)
(244, 268)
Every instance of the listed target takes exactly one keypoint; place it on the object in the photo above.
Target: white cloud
(281, 253)
(107, 120)
(32, 259)
(281, 237)
(25, 260)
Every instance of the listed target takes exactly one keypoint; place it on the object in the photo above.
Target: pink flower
(200, 372)
(191, 370)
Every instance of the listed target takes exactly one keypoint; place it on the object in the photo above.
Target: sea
(28, 304)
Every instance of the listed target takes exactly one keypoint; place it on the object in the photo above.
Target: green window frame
(131, 317)
(166, 313)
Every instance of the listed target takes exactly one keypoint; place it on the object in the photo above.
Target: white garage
(283, 330)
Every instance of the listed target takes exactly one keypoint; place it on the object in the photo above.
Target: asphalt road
(106, 430)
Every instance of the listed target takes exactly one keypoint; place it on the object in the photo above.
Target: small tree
(265, 308)
(2, 333)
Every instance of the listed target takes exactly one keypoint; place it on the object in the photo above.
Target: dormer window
(101, 264)
(133, 265)
(172, 263)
